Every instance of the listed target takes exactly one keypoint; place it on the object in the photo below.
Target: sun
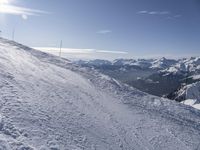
(3, 4)
(6, 7)
(4, 1)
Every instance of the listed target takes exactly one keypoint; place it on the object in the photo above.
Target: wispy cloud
(168, 14)
(104, 31)
(142, 12)
(174, 17)
(6, 8)
(154, 12)
(177, 16)
(76, 50)
(78, 53)
(111, 52)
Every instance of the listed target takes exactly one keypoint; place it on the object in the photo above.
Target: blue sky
(105, 28)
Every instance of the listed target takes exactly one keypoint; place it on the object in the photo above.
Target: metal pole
(13, 34)
(60, 48)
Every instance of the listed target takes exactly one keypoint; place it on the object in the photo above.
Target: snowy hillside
(191, 91)
(190, 94)
(47, 103)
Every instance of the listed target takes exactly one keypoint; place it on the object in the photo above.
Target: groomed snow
(47, 103)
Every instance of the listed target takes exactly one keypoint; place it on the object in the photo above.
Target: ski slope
(48, 103)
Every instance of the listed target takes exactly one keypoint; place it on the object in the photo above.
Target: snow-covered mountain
(162, 64)
(189, 94)
(143, 63)
(159, 77)
(191, 91)
(48, 103)
(96, 62)
(189, 65)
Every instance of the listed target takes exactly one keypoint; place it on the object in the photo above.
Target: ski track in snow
(47, 103)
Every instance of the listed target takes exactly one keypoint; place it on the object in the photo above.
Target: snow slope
(47, 103)
(192, 102)
(190, 94)
(190, 91)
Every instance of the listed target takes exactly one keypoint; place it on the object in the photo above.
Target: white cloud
(104, 31)
(174, 17)
(76, 50)
(65, 50)
(73, 53)
(142, 12)
(154, 12)
(166, 14)
(4, 2)
(111, 52)
(177, 16)
(6, 8)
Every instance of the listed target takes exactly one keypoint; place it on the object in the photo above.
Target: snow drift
(48, 103)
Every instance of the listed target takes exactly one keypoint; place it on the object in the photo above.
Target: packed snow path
(47, 103)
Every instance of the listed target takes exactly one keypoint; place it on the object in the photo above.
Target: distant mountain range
(161, 77)
(162, 64)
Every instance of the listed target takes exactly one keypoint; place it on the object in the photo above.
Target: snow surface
(192, 102)
(191, 93)
(196, 77)
(48, 103)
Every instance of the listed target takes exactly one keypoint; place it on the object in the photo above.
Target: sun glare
(3, 5)
(7, 8)
(4, 1)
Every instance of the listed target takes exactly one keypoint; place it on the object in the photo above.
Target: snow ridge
(48, 103)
